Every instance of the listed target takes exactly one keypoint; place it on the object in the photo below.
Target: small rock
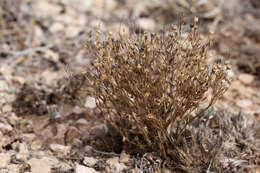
(7, 108)
(66, 20)
(5, 128)
(3, 86)
(136, 170)
(88, 149)
(90, 161)
(13, 119)
(5, 159)
(60, 149)
(246, 78)
(124, 158)
(40, 165)
(82, 122)
(56, 27)
(14, 168)
(80, 5)
(28, 137)
(63, 167)
(114, 165)
(84, 169)
(23, 152)
(72, 133)
(245, 103)
(90, 103)
(99, 130)
(39, 36)
(146, 24)
(49, 76)
(50, 55)
(36, 145)
(98, 7)
(77, 110)
(44, 9)
(61, 131)
(72, 31)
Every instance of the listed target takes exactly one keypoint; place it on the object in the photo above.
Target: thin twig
(26, 52)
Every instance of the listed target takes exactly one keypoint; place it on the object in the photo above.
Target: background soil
(49, 124)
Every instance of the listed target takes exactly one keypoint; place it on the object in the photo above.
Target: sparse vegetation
(151, 86)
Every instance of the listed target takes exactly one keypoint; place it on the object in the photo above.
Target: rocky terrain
(49, 124)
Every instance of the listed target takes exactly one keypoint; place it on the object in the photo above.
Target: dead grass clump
(150, 87)
(221, 141)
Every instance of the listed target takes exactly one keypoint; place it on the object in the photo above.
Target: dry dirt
(49, 124)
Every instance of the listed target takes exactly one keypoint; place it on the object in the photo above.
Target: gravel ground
(48, 124)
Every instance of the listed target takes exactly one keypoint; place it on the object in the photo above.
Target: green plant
(151, 86)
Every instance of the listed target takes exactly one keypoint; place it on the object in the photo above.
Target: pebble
(84, 169)
(72, 133)
(124, 158)
(114, 165)
(23, 152)
(79, 5)
(90, 103)
(7, 108)
(72, 31)
(44, 9)
(14, 168)
(90, 161)
(13, 119)
(60, 149)
(5, 128)
(3, 86)
(56, 27)
(82, 122)
(5, 159)
(136, 170)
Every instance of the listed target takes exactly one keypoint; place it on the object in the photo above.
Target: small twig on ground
(26, 52)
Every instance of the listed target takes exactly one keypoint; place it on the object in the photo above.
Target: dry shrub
(220, 141)
(151, 86)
